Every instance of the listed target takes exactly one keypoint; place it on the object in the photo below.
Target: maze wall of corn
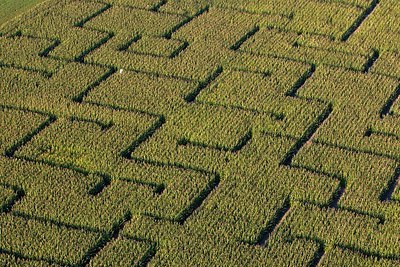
(201, 133)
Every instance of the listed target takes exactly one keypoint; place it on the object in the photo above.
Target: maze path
(201, 132)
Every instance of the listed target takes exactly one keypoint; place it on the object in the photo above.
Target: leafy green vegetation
(201, 133)
(11, 8)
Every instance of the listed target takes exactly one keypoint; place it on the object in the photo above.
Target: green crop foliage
(382, 34)
(130, 253)
(159, 47)
(9, 260)
(56, 244)
(11, 8)
(145, 4)
(137, 91)
(29, 58)
(7, 196)
(346, 258)
(124, 19)
(200, 133)
(343, 227)
(359, 178)
(387, 64)
(13, 131)
(315, 50)
(184, 7)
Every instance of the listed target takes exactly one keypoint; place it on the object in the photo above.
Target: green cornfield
(200, 133)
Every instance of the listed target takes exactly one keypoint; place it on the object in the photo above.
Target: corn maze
(201, 133)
